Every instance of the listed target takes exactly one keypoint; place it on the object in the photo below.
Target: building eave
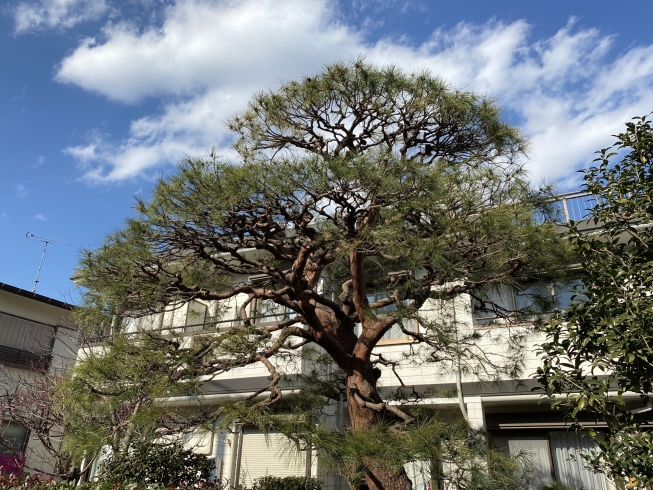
(35, 296)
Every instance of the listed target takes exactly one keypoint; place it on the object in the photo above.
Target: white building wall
(480, 389)
(64, 350)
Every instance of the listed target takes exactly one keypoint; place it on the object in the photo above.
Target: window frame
(207, 316)
(255, 306)
(21, 447)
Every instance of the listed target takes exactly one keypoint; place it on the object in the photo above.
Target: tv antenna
(45, 247)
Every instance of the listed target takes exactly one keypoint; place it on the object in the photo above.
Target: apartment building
(516, 418)
(37, 339)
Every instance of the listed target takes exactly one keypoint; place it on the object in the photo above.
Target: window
(564, 294)
(525, 301)
(227, 312)
(498, 300)
(553, 456)
(24, 343)
(268, 453)
(546, 297)
(196, 313)
(534, 298)
(13, 438)
(267, 311)
(395, 332)
(137, 323)
(536, 449)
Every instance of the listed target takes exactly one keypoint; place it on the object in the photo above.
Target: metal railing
(25, 343)
(572, 206)
(211, 325)
(575, 206)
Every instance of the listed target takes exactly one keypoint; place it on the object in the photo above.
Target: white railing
(572, 206)
(211, 325)
(575, 206)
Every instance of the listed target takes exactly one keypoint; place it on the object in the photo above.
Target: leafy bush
(16, 481)
(155, 463)
(556, 486)
(286, 483)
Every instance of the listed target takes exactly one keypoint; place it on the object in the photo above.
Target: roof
(35, 296)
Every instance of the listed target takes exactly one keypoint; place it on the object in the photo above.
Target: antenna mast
(45, 247)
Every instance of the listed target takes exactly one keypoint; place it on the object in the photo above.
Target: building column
(475, 412)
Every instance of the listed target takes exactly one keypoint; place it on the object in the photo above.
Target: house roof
(35, 296)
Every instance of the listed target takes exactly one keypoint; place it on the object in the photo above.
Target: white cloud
(39, 161)
(207, 45)
(40, 217)
(83, 153)
(55, 14)
(21, 95)
(568, 92)
(21, 191)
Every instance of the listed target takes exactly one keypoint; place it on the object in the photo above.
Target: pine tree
(354, 180)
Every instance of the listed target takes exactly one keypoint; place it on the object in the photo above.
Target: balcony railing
(572, 206)
(211, 324)
(25, 343)
(575, 206)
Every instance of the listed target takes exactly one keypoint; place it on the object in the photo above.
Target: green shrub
(147, 464)
(286, 483)
(557, 486)
(21, 481)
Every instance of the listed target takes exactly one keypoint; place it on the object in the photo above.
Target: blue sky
(99, 97)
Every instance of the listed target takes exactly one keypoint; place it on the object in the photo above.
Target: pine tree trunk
(379, 476)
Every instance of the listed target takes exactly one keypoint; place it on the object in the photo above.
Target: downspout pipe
(239, 457)
(234, 463)
(459, 376)
(218, 459)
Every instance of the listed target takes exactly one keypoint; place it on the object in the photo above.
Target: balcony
(574, 206)
(25, 343)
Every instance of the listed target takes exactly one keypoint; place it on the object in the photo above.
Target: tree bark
(378, 475)
(361, 379)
